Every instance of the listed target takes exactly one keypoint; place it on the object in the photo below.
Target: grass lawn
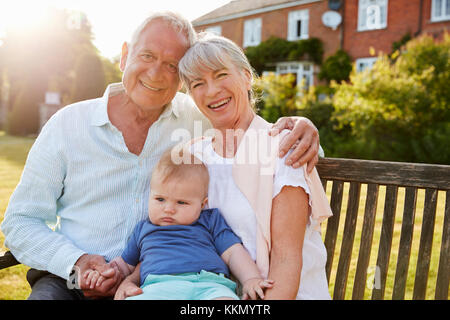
(13, 153)
(437, 238)
(13, 285)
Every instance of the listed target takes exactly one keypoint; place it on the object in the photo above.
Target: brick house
(396, 19)
(367, 27)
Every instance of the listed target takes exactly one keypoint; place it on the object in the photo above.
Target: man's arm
(34, 203)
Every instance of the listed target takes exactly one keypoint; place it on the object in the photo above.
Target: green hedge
(399, 110)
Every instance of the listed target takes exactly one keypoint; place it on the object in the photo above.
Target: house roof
(239, 8)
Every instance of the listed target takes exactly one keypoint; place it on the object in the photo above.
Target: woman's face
(222, 95)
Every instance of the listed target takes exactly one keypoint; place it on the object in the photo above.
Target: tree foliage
(336, 67)
(276, 49)
(89, 82)
(49, 57)
(400, 111)
(277, 96)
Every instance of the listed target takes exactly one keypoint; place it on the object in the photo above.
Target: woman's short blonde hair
(213, 52)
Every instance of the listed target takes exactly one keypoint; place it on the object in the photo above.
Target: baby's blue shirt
(178, 249)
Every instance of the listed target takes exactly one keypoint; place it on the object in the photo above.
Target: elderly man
(88, 171)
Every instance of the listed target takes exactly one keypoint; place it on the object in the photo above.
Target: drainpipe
(419, 28)
(343, 25)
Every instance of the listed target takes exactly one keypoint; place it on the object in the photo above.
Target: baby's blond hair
(189, 169)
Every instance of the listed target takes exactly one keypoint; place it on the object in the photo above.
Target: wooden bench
(392, 175)
(377, 174)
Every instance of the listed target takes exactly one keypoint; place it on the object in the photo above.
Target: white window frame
(445, 15)
(252, 32)
(293, 18)
(372, 14)
(367, 62)
(304, 70)
(217, 30)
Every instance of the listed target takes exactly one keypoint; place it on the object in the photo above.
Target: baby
(185, 250)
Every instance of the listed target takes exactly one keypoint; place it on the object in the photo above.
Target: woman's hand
(303, 138)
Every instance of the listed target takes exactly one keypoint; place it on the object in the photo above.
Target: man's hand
(111, 276)
(304, 138)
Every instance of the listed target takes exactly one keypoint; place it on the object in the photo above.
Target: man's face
(150, 67)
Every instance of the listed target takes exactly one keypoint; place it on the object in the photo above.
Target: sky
(112, 21)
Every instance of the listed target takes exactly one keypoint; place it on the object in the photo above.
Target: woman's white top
(224, 194)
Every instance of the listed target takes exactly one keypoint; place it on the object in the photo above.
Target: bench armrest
(8, 260)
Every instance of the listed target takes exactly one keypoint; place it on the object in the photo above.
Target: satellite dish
(331, 19)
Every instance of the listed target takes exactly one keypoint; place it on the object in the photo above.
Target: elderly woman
(276, 212)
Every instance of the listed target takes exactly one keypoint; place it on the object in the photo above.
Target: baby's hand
(91, 277)
(94, 278)
(254, 287)
(127, 289)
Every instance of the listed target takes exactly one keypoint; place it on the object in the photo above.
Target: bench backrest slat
(406, 237)
(384, 250)
(443, 276)
(333, 224)
(366, 241)
(347, 241)
(426, 239)
(391, 176)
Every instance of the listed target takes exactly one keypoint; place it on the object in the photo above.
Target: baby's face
(175, 202)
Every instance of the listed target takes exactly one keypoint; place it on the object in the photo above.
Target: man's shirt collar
(100, 116)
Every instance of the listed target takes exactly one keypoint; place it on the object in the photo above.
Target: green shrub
(277, 96)
(275, 49)
(400, 111)
(336, 67)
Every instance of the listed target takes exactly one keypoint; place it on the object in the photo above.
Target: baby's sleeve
(223, 235)
(131, 252)
(288, 176)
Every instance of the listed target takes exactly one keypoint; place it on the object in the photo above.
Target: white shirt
(80, 177)
(224, 194)
(222, 188)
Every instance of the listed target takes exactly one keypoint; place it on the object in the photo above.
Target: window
(252, 32)
(365, 63)
(372, 14)
(216, 30)
(440, 10)
(301, 70)
(298, 25)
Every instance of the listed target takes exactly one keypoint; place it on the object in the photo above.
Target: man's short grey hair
(175, 20)
(213, 52)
